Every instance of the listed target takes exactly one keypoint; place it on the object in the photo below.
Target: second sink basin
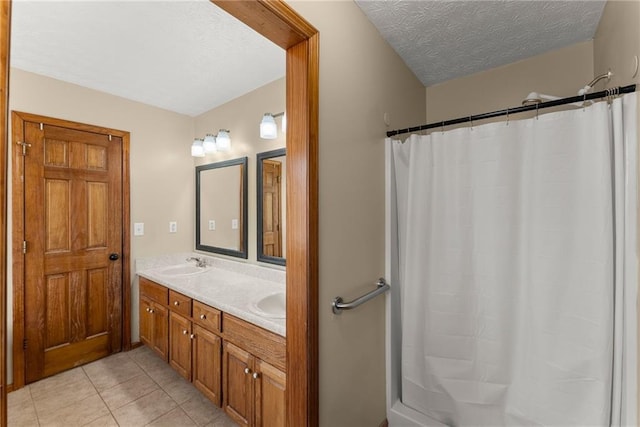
(182, 270)
(273, 305)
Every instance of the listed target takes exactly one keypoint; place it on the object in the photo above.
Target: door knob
(203, 317)
(114, 257)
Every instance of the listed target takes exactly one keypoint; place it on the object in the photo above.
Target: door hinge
(24, 246)
(41, 126)
(278, 179)
(24, 344)
(24, 146)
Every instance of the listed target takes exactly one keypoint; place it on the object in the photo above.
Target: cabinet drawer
(180, 303)
(153, 291)
(205, 316)
(264, 344)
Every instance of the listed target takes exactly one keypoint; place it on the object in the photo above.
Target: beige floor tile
(20, 409)
(175, 418)
(113, 370)
(104, 421)
(163, 374)
(128, 391)
(201, 410)
(47, 399)
(145, 409)
(222, 421)
(45, 386)
(75, 414)
(181, 390)
(144, 356)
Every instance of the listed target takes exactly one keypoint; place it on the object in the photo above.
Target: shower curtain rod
(580, 98)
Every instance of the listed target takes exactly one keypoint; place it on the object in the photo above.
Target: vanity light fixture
(268, 127)
(223, 140)
(209, 144)
(197, 148)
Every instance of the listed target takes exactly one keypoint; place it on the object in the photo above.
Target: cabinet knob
(203, 316)
(247, 371)
(185, 332)
(151, 310)
(148, 310)
(176, 303)
(255, 375)
(192, 336)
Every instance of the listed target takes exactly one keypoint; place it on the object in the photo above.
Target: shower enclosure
(511, 250)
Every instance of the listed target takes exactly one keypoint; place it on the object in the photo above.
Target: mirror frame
(243, 252)
(260, 157)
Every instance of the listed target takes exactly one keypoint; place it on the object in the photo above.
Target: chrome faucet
(200, 262)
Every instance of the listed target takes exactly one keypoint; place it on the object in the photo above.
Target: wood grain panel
(97, 313)
(78, 154)
(237, 392)
(96, 157)
(97, 210)
(270, 396)
(65, 356)
(56, 153)
(57, 232)
(180, 344)
(153, 291)
(57, 310)
(77, 305)
(262, 343)
(180, 303)
(160, 330)
(207, 364)
(208, 317)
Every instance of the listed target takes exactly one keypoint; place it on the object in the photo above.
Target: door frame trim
(278, 22)
(17, 234)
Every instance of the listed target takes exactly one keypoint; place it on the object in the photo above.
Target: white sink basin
(273, 306)
(182, 270)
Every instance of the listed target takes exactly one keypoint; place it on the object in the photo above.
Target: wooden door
(270, 396)
(207, 367)
(73, 244)
(180, 344)
(237, 389)
(271, 211)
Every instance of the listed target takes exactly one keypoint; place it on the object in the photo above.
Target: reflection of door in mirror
(271, 215)
(271, 207)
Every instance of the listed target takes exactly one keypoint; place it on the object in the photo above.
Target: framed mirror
(271, 206)
(221, 207)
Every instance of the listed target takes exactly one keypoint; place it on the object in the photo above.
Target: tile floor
(135, 388)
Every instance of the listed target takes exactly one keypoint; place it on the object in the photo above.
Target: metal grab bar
(337, 305)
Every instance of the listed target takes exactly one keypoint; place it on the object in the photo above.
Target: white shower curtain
(517, 265)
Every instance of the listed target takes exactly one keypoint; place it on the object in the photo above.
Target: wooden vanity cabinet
(236, 364)
(253, 390)
(154, 317)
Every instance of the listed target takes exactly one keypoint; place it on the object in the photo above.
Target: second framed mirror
(271, 206)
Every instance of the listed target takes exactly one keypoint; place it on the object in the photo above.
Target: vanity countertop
(229, 286)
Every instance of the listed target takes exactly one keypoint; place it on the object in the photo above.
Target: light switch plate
(173, 227)
(138, 229)
(212, 225)
(234, 224)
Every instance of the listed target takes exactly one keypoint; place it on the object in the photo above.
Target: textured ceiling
(441, 40)
(183, 56)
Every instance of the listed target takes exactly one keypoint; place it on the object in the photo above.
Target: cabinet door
(146, 322)
(207, 368)
(180, 344)
(270, 388)
(237, 366)
(160, 330)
